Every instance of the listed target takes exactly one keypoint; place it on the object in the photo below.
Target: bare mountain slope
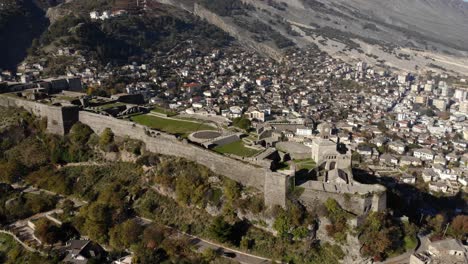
(411, 35)
(441, 20)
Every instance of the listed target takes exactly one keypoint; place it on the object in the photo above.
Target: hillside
(408, 35)
(21, 21)
(35, 30)
(133, 37)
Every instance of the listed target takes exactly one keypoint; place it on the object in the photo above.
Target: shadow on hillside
(19, 32)
(406, 199)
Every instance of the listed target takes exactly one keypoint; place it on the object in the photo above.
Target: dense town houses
(310, 106)
(399, 120)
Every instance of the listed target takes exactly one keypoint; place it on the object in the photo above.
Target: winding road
(202, 245)
(423, 243)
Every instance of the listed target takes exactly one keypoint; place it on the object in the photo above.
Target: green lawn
(172, 126)
(236, 148)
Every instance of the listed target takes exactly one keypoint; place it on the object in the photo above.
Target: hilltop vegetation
(127, 38)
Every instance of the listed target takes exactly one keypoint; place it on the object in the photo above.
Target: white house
(429, 175)
(397, 146)
(94, 15)
(304, 132)
(448, 175)
(438, 186)
(408, 179)
(424, 154)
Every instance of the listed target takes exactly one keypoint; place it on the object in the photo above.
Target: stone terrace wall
(59, 118)
(166, 144)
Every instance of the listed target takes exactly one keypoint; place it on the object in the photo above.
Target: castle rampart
(166, 144)
(356, 198)
(59, 118)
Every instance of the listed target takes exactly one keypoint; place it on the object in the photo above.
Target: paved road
(203, 244)
(401, 259)
(423, 243)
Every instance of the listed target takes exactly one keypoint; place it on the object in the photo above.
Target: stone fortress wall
(166, 144)
(59, 118)
(275, 185)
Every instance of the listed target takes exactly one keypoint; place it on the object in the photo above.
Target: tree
(123, 235)
(245, 242)
(106, 137)
(220, 229)
(153, 236)
(336, 214)
(46, 231)
(282, 224)
(191, 189)
(210, 254)
(80, 133)
(10, 171)
(232, 190)
(68, 207)
(300, 232)
(144, 255)
(379, 235)
(459, 226)
(437, 223)
(97, 221)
